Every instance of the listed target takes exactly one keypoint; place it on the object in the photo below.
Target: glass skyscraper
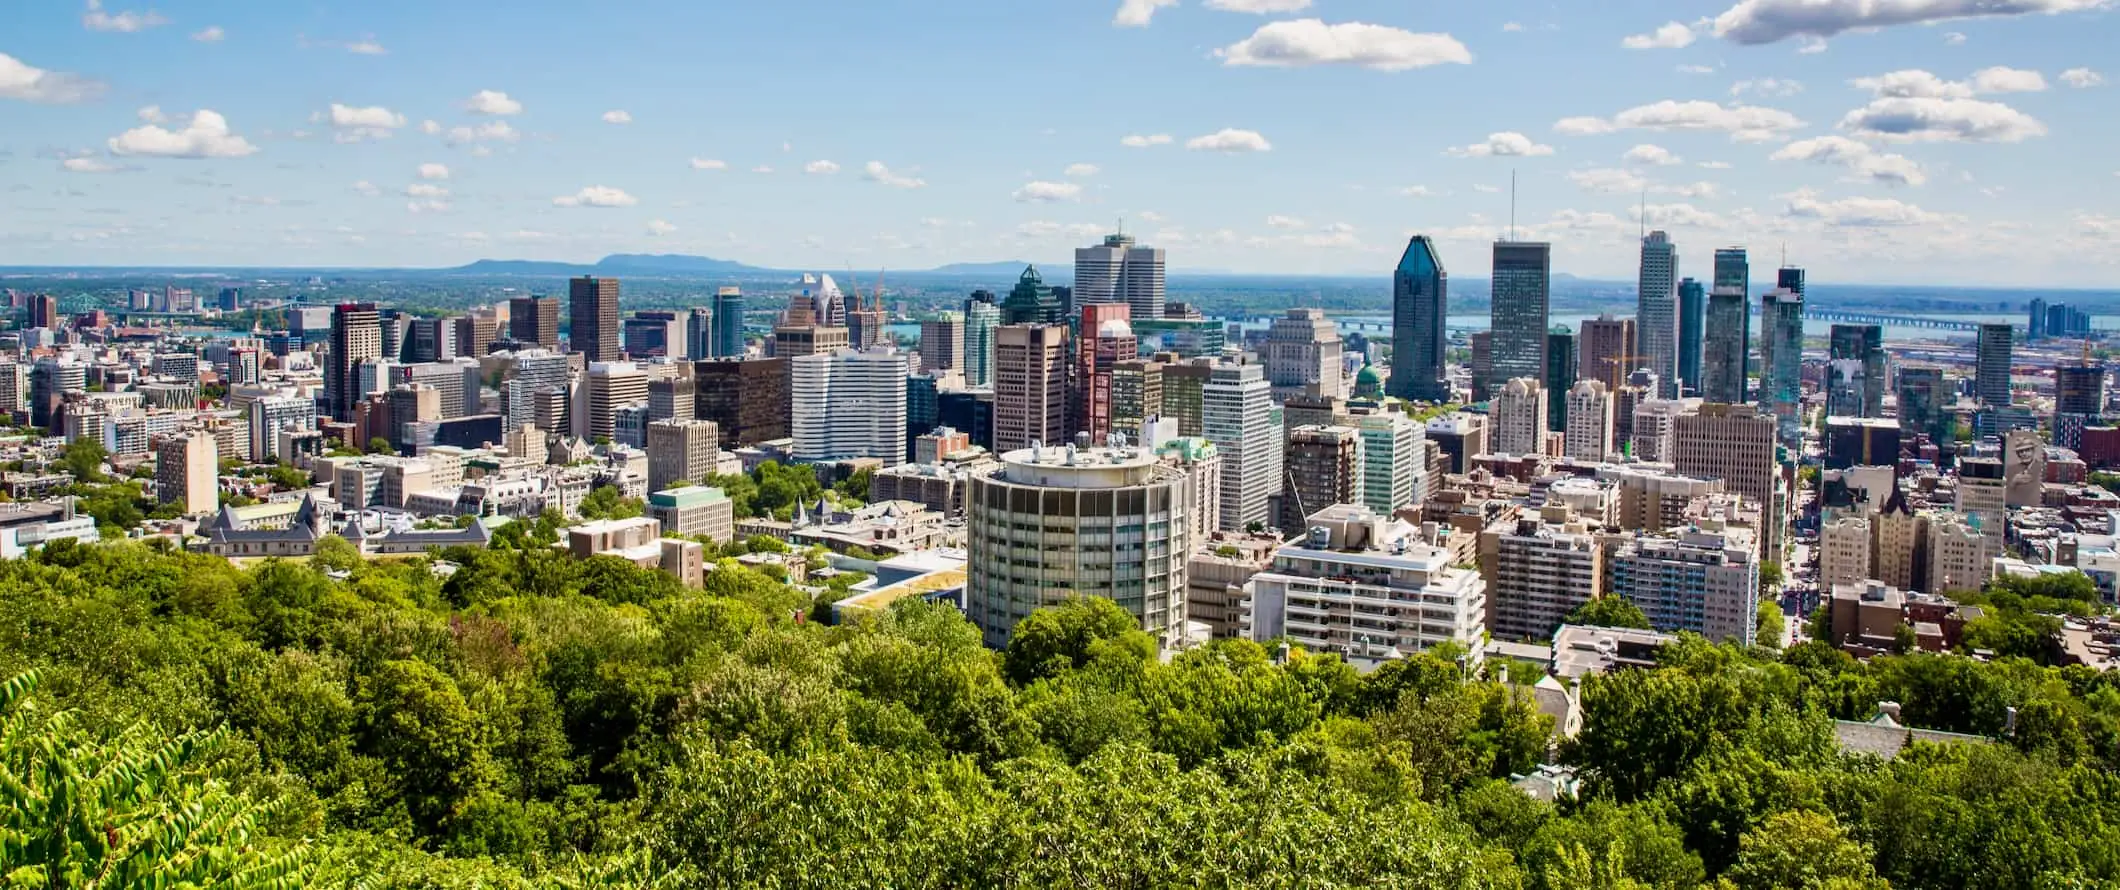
(1656, 321)
(1781, 347)
(1855, 371)
(1519, 300)
(980, 319)
(1419, 309)
(1692, 317)
(728, 323)
(1726, 340)
(1559, 376)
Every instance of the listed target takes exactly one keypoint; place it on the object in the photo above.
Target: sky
(1941, 142)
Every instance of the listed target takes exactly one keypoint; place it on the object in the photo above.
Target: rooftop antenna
(1641, 223)
(1512, 205)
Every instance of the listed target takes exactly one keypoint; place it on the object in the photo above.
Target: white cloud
(1676, 216)
(1079, 171)
(427, 205)
(1875, 166)
(96, 19)
(1044, 229)
(490, 131)
(425, 190)
(209, 34)
(1607, 181)
(366, 46)
(1924, 119)
(1768, 21)
(20, 80)
(492, 102)
(1304, 42)
(1502, 145)
(366, 189)
(2003, 79)
(206, 136)
(1416, 191)
(659, 227)
(152, 114)
(1689, 190)
(820, 168)
(762, 168)
(1744, 123)
(1672, 35)
(1136, 13)
(1766, 86)
(434, 172)
(1697, 69)
(1140, 141)
(617, 116)
(1150, 216)
(1651, 155)
(596, 196)
(355, 124)
(1715, 165)
(1811, 46)
(2082, 78)
(875, 171)
(708, 164)
(1912, 83)
(1230, 140)
(1259, 7)
(1284, 222)
(91, 165)
(1486, 189)
(1044, 192)
(1860, 212)
(1953, 38)
(1512, 27)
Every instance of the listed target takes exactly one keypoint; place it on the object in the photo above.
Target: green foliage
(1609, 611)
(855, 487)
(605, 502)
(1772, 622)
(380, 445)
(85, 458)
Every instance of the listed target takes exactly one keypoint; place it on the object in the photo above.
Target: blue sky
(1882, 142)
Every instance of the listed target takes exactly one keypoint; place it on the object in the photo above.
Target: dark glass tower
(1522, 272)
(1559, 376)
(1692, 318)
(727, 340)
(1031, 302)
(1726, 340)
(592, 317)
(1419, 309)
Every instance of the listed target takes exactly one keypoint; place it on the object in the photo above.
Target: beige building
(1302, 356)
(1030, 386)
(1216, 574)
(1655, 499)
(1324, 469)
(1589, 433)
(187, 472)
(1519, 414)
(695, 511)
(1844, 552)
(1655, 424)
(1537, 571)
(942, 342)
(639, 540)
(1961, 557)
(683, 450)
(607, 387)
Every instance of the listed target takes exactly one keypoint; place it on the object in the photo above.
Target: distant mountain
(519, 267)
(672, 264)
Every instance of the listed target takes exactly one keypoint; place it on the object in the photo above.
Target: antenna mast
(1512, 205)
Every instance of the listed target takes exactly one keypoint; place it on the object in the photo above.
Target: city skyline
(1963, 153)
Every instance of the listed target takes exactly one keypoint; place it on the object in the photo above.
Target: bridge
(1904, 321)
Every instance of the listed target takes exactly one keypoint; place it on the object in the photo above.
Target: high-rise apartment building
(728, 323)
(1106, 339)
(608, 387)
(1120, 271)
(980, 320)
(942, 342)
(848, 405)
(1656, 314)
(681, 450)
(1561, 363)
(1519, 295)
(1324, 467)
(1366, 586)
(1781, 352)
(1855, 371)
(1605, 350)
(1588, 435)
(534, 320)
(1692, 320)
(1537, 572)
(1302, 355)
(356, 336)
(187, 465)
(1030, 386)
(1734, 443)
(1991, 381)
(1237, 415)
(592, 317)
(1519, 413)
(1394, 461)
(1420, 344)
(1699, 582)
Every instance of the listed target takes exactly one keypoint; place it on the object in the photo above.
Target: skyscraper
(980, 320)
(1781, 345)
(849, 405)
(608, 387)
(942, 342)
(1120, 271)
(1855, 371)
(1789, 278)
(1606, 350)
(1726, 348)
(1522, 271)
(1588, 435)
(1031, 302)
(1924, 403)
(592, 317)
(1324, 467)
(1560, 376)
(534, 320)
(2037, 330)
(1991, 381)
(1030, 386)
(1419, 341)
(1236, 413)
(186, 465)
(356, 336)
(1302, 355)
(728, 323)
(1394, 461)
(1656, 314)
(1519, 413)
(699, 333)
(1106, 340)
(1692, 319)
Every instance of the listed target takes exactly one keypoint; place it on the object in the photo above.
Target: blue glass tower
(1419, 308)
(728, 323)
(1692, 318)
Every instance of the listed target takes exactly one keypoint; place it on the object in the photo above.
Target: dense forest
(512, 718)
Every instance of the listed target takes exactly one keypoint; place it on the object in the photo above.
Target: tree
(1802, 850)
(1610, 610)
(1059, 638)
(1770, 577)
(1771, 624)
(855, 487)
(605, 502)
(84, 458)
(380, 445)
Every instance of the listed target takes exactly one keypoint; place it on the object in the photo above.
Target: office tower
(1394, 461)
(681, 450)
(2079, 390)
(1781, 348)
(672, 398)
(49, 382)
(1589, 434)
(1789, 278)
(1519, 412)
(2036, 331)
(747, 398)
(1734, 443)
(608, 387)
(187, 465)
(44, 311)
(1106, 340)
(1692, 336)
(592, 317)
(176, 366)
(14, 390)
(272, 415)
(1991, 382)
(1925, 404)
(1537, 573)
(1726, 347)
(792, 341)
(1302, 355)
(1559, 377)
(430, 340)
(1030, 386)
(728, 323)
(699, 333)
(1031, 302)
(971, 411)
(1656, 314)
(1237, 414)
(356, 336)
(1605, 349)
(1182, 385)
(980, 320)
(1128, 514)
(1324, 468)
(534, 373)
(865, 321)
(476, 332)
(2060, 320)
(849, 405)
(942, 342)
(457, 382)
(1482, 348)
(1522, 272)
(396, 327)
(1120, 271)
(1861, 442)
(1698, 582)
(535, 320)
(654, 333)
(408, 404)
(1413, 597)
(230, 299)
(1137, 395)
(1855, 371)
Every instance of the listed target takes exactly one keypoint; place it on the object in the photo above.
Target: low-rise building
(639, 540)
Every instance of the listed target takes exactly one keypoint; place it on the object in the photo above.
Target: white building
(272, 415)
(849, 404)
(1700, 581)
(1368, 587)
(1394, 461)
(1237, 414)
(1589, 433)
(1519, 413)
(1654, 423)
(1844, 552)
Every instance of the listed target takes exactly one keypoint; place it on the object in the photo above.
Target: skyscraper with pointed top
(1419, 309)
(1656, 311)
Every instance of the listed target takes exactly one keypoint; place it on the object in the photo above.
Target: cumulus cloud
(1078, 171)
(490, 131)
(1141, 141)
(434, 172)
(1607, 181)
(1766, 86)
(596, 196)
(1046, 229)
(1230, 140)
(708, 164)
(1284, 222)
(1304, 42)
(1929, 119)
(1501, 145)
(425, 190)
(20, 80)
(1416, 191)
(366, 189)
(820, 168)
(1912, 83)
(617, 116)
(1259, 7)
(1860, 212)
(1672, 35)
(426, 205)
(92, 165)
(206, 136)
(1137, 13)
(1651, 155)
(366, 46)
(659, 227)
(1867, 162)
(1767, 21)
(1676, 216)
(1953, 38)
(1744, 123)
(209, 34)
(2082, 78)
(98, 19)
(1044, 192)
(358, 123)
(875, 171)
(2004, 79)
(492, 102)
